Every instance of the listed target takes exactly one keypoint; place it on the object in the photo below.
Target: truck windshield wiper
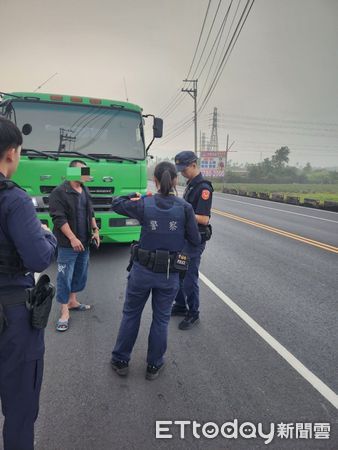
(24, 151)
(113, 157)
(72, 152)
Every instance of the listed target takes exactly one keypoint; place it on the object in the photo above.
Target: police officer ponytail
(166, 175)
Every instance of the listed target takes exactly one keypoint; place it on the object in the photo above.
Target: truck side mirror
(158, 127)
(27, 129)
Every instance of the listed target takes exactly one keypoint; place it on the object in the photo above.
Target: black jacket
(63, 203)
(21, 232)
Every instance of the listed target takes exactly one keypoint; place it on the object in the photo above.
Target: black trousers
(21, 369)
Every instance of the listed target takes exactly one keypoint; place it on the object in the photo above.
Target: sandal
(62, 325)
(80, 307)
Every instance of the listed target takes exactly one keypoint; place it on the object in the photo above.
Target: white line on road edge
(255, 205)
(321, 387)
(279, 209)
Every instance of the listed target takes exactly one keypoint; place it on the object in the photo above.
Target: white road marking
(219, 196)
(255, 205)
(310, 377)
(279, 210)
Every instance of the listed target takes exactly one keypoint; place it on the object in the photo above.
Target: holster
(161, 261)
(40, 301)
(133, 253)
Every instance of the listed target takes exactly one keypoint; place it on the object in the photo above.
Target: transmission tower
(213, 145)
(203, 142)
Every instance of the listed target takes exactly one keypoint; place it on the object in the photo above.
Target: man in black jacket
(74, 227)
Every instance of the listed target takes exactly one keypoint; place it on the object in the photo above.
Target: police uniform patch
(205, 194)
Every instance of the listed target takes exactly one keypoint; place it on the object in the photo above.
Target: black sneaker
(178, 310)
(120, 367)
(153, 371)
(188, 322)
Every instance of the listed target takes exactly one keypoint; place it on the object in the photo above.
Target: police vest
(10, 260)
(163, 229)
(190, 189)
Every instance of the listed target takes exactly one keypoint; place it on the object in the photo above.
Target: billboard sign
(212, 164)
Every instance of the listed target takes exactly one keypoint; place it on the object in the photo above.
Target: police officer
(25, 247)
(199, 194)
(166, 222)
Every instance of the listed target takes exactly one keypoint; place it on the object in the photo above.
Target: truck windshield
(87, 129)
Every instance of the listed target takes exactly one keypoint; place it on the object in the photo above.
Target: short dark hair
(10, 136)
(76, 161)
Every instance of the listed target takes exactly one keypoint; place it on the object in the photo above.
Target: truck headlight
(132, 222)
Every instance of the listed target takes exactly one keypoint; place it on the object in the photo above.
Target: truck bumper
(109, 232)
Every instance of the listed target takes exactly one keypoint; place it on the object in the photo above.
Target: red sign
(207, 154)
(212, 173)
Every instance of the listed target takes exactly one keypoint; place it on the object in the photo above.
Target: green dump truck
(107, 134)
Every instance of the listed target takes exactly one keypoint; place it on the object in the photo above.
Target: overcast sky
(279, 87)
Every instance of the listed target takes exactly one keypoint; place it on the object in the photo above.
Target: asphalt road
(222, 369)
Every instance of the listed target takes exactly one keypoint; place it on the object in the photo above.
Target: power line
(199, 39)
(268, 129)
(178, 127)
(184, 127)
(207, 40)
(178, 124)
(224, 54)
(177, 134)
(221, 53)
(174, 106)
(171, 101)
(218, 38)
(228, 52)
(271, 119)
(262, 124)
(290, 144)
(178, 98)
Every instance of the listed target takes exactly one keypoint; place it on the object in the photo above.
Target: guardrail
(280, 197)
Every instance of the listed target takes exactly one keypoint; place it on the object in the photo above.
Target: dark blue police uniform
(199, 194)
(167, 222)
(25, 248)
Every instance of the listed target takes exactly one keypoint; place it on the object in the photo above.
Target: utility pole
(226, 158)
(193, 93)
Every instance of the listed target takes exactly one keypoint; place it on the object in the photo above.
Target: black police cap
(184, 159)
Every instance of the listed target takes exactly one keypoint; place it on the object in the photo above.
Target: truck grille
(99, 203)
(92, 189)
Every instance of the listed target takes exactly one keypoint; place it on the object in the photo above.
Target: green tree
(307, 168)
(280, 158)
